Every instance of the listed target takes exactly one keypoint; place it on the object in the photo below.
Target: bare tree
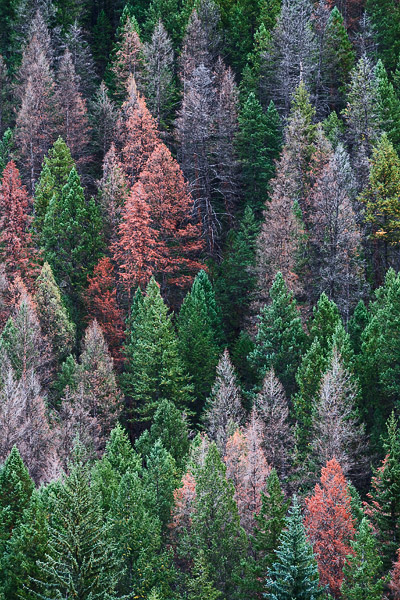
(338, 433)
(273, 408)
(224, 411)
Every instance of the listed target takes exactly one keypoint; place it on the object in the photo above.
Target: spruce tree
(56, 168)
(80, 560)
(362, 580)
(294, 574)
(270, 523)
(199, 342)
(154, 368)
(259, 141)
(280, 340)
(53, 317)
(236, 277)
(200, 585)
(389, 105)
(357, 323)
(71, 240)
(16, 488)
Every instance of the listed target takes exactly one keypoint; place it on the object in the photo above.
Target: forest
(199, 299)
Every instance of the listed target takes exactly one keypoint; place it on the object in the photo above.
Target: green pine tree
(72, 241)
(270, 523)
(294, 574)
(52, 314)
(362, 571)
(200, 585)
(280, 340)
(16, 488)
(237, 277)
(6, 146)
(199, 342)
(357, 323)
(80, 560)
(389, 106)
(56, 168)
(154, 368)
(259, 142)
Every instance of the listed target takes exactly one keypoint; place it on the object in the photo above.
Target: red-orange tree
(16, 248)
(329, 524)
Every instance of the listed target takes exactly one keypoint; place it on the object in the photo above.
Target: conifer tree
(16, 247)
(258, 143)
(198, 340)
(53, 317)
(113, 192)
(280, 339)
(16, 488)
(56, 168)
(154, 369)
(200, 585)
(71, 239)
(294, 573)
(128, 57)
(215, 527)
(357, 324)
(161, 479)
(389, 105)
(394, 584)
(79, 560)
(329, 524)
(223, 411)
(270, 522)
(363, 567)
(103, 118)
(383, 506)
(74, 124)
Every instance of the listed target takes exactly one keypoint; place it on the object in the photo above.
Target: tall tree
(294, 574)
(329, 524)
(113, 192)
(128, 58)
(16, 247)
(223, 411)
(154, 369)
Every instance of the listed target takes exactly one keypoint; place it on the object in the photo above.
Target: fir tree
(71, 239)
(280, 339)
(200, 585)
(198, 341)
(294, 574)
(154, 369)
(389, 105)
(79, 559)
(363, 567)
(16, 488)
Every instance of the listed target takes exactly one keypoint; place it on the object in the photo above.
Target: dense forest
(199, 299)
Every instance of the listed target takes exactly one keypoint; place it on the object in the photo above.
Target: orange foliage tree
(330, 525)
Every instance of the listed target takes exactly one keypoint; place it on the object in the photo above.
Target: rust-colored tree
(394, 585)
(101, 302)
(16, 247)
(329, 524)
(137, 133)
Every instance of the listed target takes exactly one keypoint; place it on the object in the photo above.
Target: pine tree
(128, 58)
(71, 239)
(236, 277)
(102, 305)
(385, 19)
(113, 193)
(16, 247)
(258, 143)
(383, 506)
(270, 522)
(294, 574)
(74, 124)
(280, 339)
(223, 411)
(79, 559)
(56, 168)
(362, 570)
(394, 584)
(200, 585)
(160, 479)
(154, 369)
(389, 105)
(198, 340)
(16, 488)
(381, 203)
(52, 314)
(159, 75)
(329, 524)
(357, 324)
(103, 118)
(273, 408)
(215, 527)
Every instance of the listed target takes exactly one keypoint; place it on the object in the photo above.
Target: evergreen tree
(161, 479)
(198, 341)
(294, 574)
(80, 559)
(385, 19)
(258, 143)
(236, 277)
(71, 240)
(56, 168)
(357, 324)
(280, 339)
(16, 488)
(270, 522)
(200, 585)
(389, 105)
(154, 369)
(363, 567)
(52, 314)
